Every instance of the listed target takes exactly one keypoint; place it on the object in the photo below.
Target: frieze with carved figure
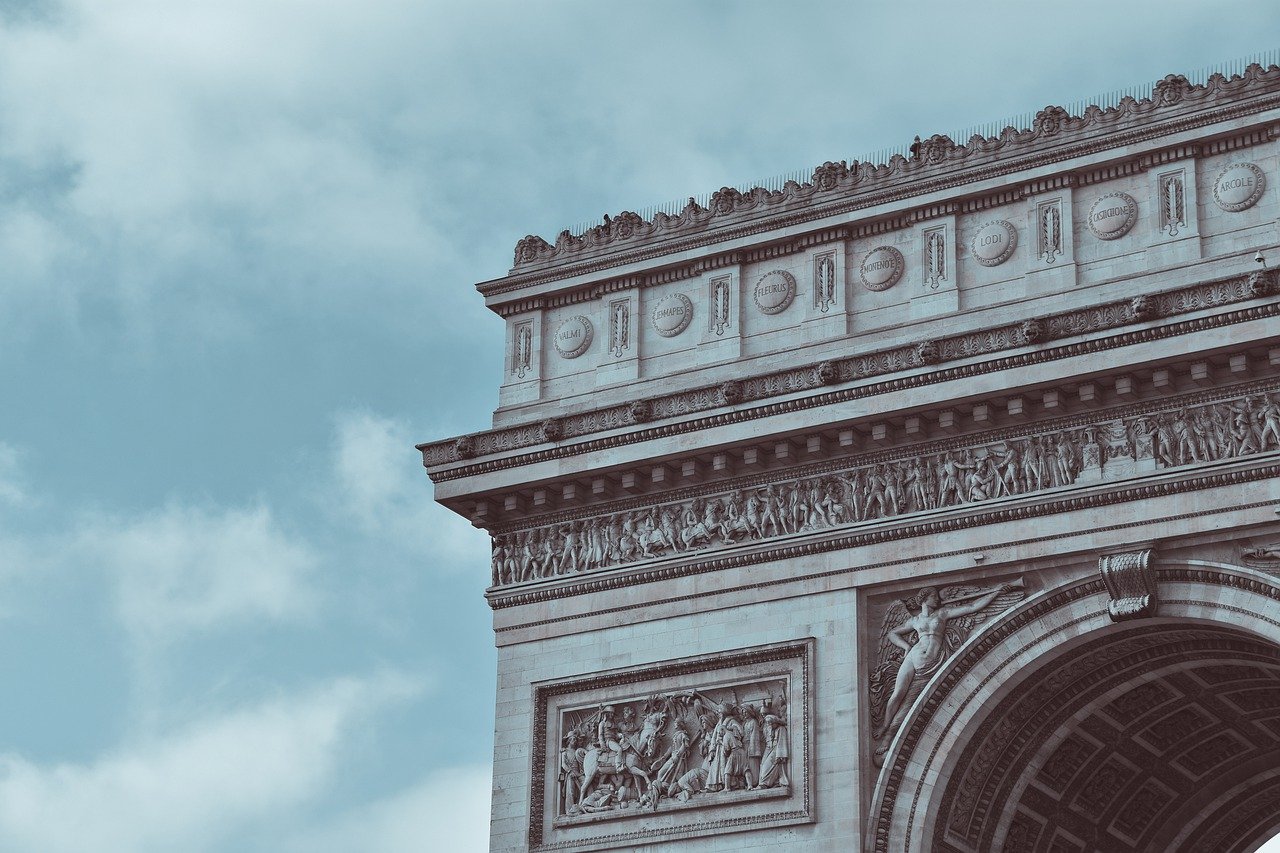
(1163, 437)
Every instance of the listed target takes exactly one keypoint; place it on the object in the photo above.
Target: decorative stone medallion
(774, 291)
(881, 268)
(573, 337)
(1239, 186)
(672, 315)
(994, 242)
(1112, 216)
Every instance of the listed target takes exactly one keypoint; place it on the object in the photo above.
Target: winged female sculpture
(917, 637)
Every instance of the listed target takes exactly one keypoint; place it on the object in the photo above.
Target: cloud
(448, 810)
(14, 491)
(380, 488)
(194, 788)
(183, 570)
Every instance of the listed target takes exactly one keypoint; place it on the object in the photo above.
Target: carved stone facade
(926, 506)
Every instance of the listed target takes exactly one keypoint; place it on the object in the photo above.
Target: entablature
(957, 239)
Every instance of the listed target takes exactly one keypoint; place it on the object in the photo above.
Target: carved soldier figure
(546, 554)
(753, 512)
(1033, 473)
(1184, 441)
(570, 771)
(753, 730)
(525, 560)
(892, 489)
(1270, 421)
(510, 568)
(914, 481)
(613, 540)
(667, 527)
(816, 505)
(1008, 469)
(569, 549)
(1246, 440)
(950, 491)
(773, 764)
(771, 508)
(854, 508)
(794, 516)
(734, 521)
(727, 752)
(832, 507)
(498, 557)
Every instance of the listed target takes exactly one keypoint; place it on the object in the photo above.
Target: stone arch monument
(928, 505)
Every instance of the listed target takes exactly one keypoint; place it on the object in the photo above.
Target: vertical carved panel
(824, 281)
(619, 327)
(721, 305)
(1049, 230)
(522, 349)
(935, 257)
(1173, 206)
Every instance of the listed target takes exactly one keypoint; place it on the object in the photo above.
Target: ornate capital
(1131, 583)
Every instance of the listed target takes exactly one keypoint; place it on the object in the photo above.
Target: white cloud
(192, 789)
(181, 570)
(448, 810)
(13, 488)
(380, 486)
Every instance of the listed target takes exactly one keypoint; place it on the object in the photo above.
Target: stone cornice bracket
(1131, 583)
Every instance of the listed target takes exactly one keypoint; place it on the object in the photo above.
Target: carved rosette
(774, 292)
(1112, 216)
(882, 268)
(1239, 186)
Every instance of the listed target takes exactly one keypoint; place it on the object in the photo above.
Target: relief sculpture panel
(917, 636)
(946, 474)
(685, 747)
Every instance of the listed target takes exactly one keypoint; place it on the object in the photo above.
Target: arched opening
(1055, 729)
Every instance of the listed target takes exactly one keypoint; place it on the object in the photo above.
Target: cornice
(813, 377)
(1175, 105)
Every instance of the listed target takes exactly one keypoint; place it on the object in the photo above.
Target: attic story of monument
(923, 505)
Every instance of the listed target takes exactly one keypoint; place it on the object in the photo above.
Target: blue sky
(237, 244)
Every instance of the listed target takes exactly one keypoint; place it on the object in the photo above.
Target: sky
(237, 248)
